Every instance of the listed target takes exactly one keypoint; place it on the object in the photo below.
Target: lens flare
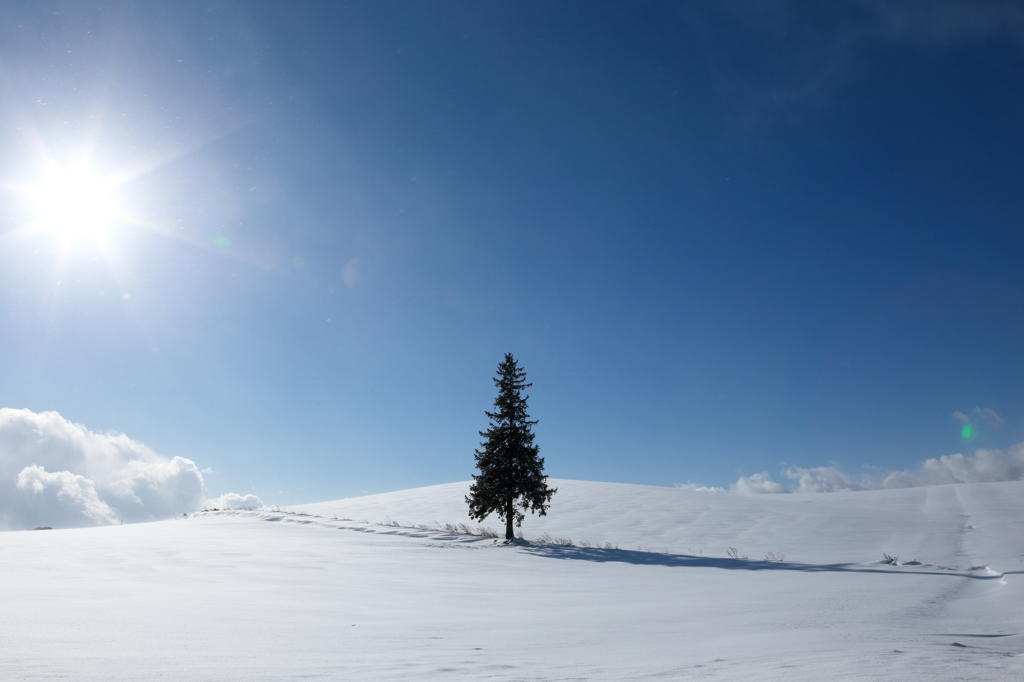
(350, 273)
(967, 432)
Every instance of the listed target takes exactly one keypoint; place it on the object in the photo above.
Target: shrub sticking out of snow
(734, 553)
(587, 544)
(487, 532)
(438, 527)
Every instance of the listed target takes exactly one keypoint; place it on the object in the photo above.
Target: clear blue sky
(718, 236)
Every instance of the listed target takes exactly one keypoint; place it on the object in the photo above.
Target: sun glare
(75, 203)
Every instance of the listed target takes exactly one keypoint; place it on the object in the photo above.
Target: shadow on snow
(687, 561)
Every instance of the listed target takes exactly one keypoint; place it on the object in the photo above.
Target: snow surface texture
(57, 473)
(283, 595)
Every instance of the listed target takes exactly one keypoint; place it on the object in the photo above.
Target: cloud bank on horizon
(59, 474)
(983, 466)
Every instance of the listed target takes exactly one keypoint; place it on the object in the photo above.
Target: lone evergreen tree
(511, 478)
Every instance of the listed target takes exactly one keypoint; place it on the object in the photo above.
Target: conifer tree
(511, 479)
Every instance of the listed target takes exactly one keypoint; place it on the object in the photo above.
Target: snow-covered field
(269, 595)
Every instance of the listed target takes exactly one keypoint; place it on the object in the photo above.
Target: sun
(74, 202)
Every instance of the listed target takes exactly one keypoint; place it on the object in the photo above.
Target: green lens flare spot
(222, 242)
(967, 432)
(298, 262)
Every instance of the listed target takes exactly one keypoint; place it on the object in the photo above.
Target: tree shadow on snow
(687, 561)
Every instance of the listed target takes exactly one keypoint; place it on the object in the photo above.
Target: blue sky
(718, 238)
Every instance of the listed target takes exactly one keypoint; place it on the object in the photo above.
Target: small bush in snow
(775, 556)
(886, 559)
(734, 553)
(564, 542)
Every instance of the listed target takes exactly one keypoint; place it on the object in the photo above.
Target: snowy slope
(926, 524)
(268, 595)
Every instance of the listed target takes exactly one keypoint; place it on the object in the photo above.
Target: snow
(290, 594)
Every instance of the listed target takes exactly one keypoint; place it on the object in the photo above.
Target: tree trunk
(509, 513)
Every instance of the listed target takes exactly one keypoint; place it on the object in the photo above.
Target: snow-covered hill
(271, 595)
(926, 524)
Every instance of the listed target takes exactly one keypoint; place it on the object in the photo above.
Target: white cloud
(57, 473)
(72, 495)
(826, 479)
(983, 466)
(234, 501)
(757, 484)
(698, 488)
(979, 415)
